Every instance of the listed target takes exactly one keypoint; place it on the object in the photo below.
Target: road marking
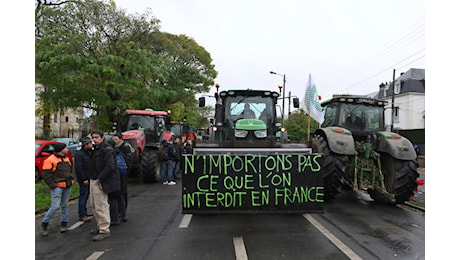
(74, 226)
(185, 221)
(345, 249)
(95, 255)
(77, 224)
(240, 249)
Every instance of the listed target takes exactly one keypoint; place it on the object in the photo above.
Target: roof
(416, 74)
(146, 112)
(412, 80)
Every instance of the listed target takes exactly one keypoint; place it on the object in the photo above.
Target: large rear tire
(333, 168)
(149, 165)
(400, 179)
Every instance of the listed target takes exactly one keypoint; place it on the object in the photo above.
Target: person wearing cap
(82, 170)
(57, 174)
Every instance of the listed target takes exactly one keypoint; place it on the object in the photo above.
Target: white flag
(311, 102)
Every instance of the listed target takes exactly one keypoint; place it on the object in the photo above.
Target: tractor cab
(246, 118)
(358, 114)
(144, 130)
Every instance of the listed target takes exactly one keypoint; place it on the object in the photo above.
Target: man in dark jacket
(127, 151)
(82, 170)
(171, 161)
(104, 180)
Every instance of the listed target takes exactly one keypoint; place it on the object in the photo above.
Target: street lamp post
(284, 91)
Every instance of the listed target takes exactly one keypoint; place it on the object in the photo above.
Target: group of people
(99, 179)
(170, 157)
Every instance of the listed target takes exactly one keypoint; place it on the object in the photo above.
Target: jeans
(82, 200)
(163, 170)
(59, 197)
(171, 167)
(166, 170)
(176, 164)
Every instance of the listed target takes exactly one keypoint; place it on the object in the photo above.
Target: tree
(297, 125)
(91, 54)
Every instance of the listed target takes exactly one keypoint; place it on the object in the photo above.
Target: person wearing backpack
(167, 162)
(116, 200)
(127, 151)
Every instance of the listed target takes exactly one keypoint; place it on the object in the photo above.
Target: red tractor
(144, 130)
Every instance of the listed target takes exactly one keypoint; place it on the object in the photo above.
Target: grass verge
(43, 196)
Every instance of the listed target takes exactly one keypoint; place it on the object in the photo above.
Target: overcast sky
(348, 46)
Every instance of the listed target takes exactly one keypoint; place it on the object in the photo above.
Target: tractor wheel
(149, 165)
(400, 179)
(333, 167)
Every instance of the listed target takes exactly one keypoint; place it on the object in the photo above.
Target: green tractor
(246, 165)
(360, 154)
(247, 119)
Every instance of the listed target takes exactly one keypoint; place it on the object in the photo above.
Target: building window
(56, 118)
(397, 87)
(396, 115)
(66, 119)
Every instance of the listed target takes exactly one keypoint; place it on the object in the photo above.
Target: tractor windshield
(361, 117)
(141, 122)
(249, 107)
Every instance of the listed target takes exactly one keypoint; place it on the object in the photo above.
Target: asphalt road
(156, 229)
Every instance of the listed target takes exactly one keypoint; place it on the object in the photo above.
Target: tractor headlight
(260, 133)
(241, 133)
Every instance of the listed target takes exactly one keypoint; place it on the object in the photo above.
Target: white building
(409, 106)
(409, 101)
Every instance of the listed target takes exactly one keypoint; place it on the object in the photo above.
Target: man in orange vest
(57, 174)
